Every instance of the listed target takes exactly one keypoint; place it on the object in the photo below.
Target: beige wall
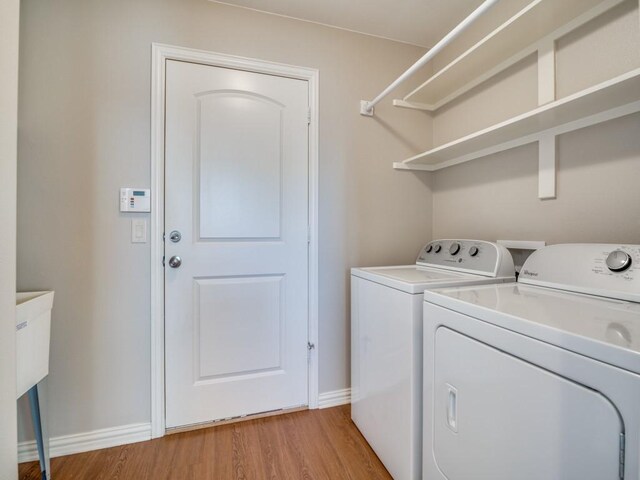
(84, 132)
(607, 46)
(598, 199)
(598, 196)
(9, 23)
(506, 95)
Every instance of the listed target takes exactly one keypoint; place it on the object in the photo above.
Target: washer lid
(601, 328)
(415, 279)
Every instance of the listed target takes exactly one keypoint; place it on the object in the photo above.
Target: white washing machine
(386, 342)
(538, 380)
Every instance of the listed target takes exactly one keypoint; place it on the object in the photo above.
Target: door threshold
(243, 418)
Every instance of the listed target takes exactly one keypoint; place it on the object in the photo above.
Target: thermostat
(135, 200)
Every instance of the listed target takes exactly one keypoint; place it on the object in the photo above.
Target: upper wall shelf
(511, 41)
(534, 29)
(611, 99)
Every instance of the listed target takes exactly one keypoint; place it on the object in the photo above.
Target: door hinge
(309, 116)
(622, 454)
(163, 260)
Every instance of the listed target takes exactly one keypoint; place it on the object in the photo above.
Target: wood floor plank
(352, 444)
(318, 444)
(308, 445)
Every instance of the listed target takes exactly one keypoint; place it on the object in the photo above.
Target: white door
(497, 417)
(236, 188)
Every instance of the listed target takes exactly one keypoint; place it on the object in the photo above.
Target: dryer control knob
(473, 251)
(618, 261)
(437, 248)
(428, 249)
(454, 248)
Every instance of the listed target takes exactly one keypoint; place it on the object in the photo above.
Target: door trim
(160, 54)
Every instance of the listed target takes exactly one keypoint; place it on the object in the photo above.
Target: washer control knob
(428, 249)
(618, 261)
(473, 251)
(437, 248)
(454, 248)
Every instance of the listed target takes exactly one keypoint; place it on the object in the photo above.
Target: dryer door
(500, 418)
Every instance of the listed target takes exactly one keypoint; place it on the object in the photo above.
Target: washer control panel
(608, 270)
(475, 256)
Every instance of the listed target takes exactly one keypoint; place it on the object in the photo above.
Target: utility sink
(33, 331)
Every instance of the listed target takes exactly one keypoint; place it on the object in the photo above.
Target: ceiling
(419, 22)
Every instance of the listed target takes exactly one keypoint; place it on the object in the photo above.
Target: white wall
(84, 132)
(598, 199)
(9, 23)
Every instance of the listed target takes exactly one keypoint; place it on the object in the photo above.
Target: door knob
(175, 261)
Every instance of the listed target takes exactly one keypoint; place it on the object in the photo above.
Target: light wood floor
(313, 444)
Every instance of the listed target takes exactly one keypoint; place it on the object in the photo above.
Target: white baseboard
(84, 442)
(137, 432)
(334, 398)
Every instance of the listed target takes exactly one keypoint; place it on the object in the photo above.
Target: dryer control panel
(471, 256)
(608, 270)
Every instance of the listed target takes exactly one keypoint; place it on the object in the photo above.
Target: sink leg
(41, 441)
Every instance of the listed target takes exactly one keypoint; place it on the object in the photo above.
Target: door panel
(240, 162)
(236, 187)
(500, 418)
(237, 337)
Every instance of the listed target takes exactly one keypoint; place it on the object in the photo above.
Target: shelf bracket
(546, 71)
(413, 105)
(547, 150)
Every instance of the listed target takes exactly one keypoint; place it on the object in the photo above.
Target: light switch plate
(138, 230)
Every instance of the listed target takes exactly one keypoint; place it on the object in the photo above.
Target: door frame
(160, 54)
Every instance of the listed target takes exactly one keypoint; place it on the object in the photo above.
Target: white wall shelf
(509, 43)
(534, 29)
(608, 100)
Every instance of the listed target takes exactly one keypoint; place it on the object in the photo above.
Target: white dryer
(538, 380)
(386, 342)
